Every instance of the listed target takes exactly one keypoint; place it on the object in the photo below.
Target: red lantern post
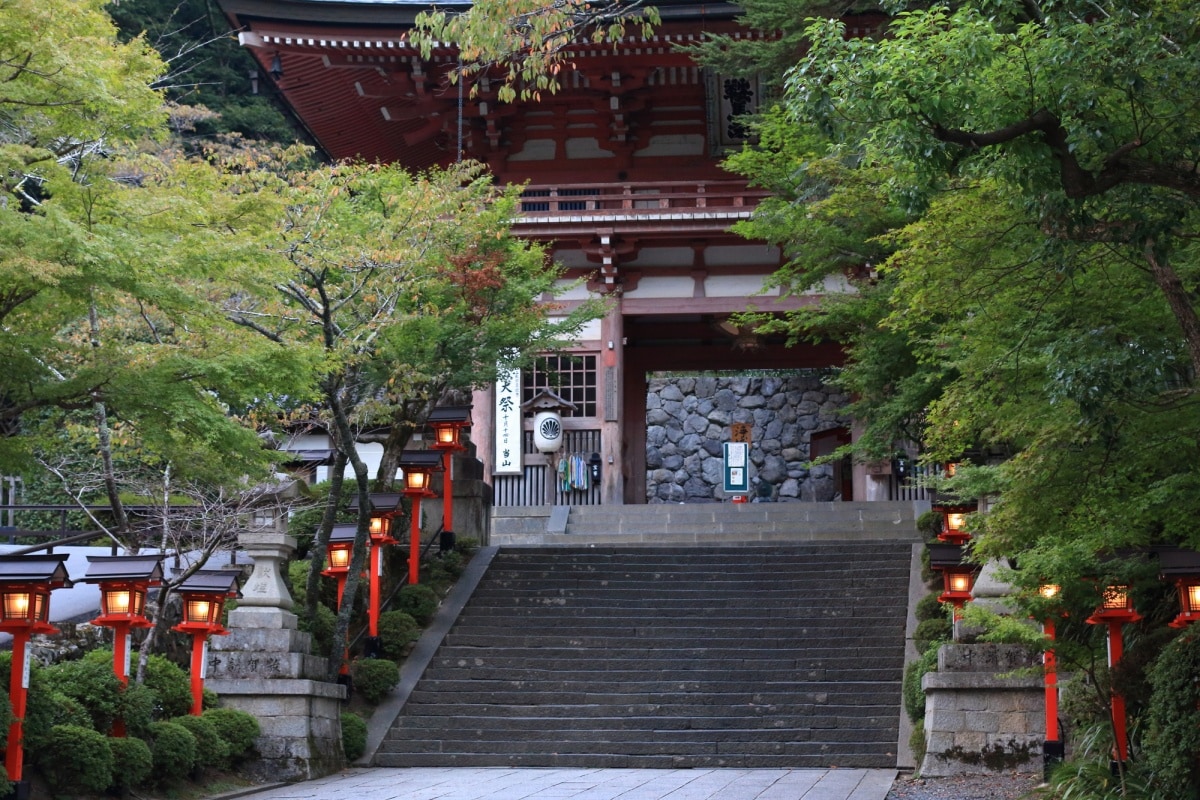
(1116, 610)
(448, 423)
(123, 581)
(418, 466)
(337, 564)
(958, 575)
(204, 593)
(1052, 748)
(25, 586)
(384, 506)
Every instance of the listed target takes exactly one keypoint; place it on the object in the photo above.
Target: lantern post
(958, 577)
(448, 423)
(124, 581)
(25, 586)
(204, 593)
(384, 507)
(418, 467)
(1182, 567)
(337, 565)
(1116, 609)
(1053, 748)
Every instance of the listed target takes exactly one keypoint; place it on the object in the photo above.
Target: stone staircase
(704, 523)
(665, 656)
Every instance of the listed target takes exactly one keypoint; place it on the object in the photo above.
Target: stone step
(589, 704)
(821, 760)
(843, 727)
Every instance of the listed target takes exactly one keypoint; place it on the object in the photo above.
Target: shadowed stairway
(784, 655)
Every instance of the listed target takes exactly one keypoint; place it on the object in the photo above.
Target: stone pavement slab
(502, 783)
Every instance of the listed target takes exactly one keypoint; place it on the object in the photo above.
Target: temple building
(624, 184)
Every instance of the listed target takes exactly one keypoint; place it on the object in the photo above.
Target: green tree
(409, 285)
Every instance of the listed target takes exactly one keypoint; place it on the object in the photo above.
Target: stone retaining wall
(688, 419)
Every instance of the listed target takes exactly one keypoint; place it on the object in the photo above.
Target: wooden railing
(631, 198)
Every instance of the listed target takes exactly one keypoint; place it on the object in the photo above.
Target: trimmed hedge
(174, 749)
(132, 762)
(75, 760)
(374, 678)
(354, 736)
(211, 749)
(238, 729)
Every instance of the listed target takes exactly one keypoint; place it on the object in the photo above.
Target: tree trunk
(1169, 283)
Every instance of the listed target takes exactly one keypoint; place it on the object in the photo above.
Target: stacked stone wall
(688, 419)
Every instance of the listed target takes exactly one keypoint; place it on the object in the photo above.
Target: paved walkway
(429, 783)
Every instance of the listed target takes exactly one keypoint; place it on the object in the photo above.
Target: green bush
(132, 762)
(914, 696)
(1173, 739)
(239, 730)
(930, 524)
(397, 629)
(171, 685)
(918, 744)
(929, 607)
(467, 545)
(932, 632)
(89, 681)
(354, 736)
(75, 760)
(174, 749)
(211, 749)
(138, 708)
(374, 678)
(453, 562)
(67, 711)
(420, 601)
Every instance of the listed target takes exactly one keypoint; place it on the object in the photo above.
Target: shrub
(397, 629)
(211, 750)
(138, 707)
(420, 601)
(174, 750)
(931, 632)
(467, 545)
(453, 562)
(89, 681)
(914, 695)
(354, 736)
(171, 686)
(374, 678)
(918, 744)
(1173, 739)
(930, 524)
(928, 607)
(67, 711)
(132, 762)
(238, 729)
(89, 767)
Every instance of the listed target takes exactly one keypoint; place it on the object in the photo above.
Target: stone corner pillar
(983, 711)
(265, 667)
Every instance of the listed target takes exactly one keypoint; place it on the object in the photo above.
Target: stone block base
(984, 711)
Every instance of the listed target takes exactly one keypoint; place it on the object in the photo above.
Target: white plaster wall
(535, 150)
(663, 257)
(652, 287)
(727, 255)
(689, 144)
(736, 286)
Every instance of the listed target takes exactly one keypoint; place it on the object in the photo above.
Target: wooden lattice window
(571, 377)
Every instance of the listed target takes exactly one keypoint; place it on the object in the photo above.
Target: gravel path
(1013, 786)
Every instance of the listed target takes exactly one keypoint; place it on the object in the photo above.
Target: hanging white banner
(508, 420)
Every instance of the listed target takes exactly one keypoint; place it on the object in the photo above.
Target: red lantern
(204, 594)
